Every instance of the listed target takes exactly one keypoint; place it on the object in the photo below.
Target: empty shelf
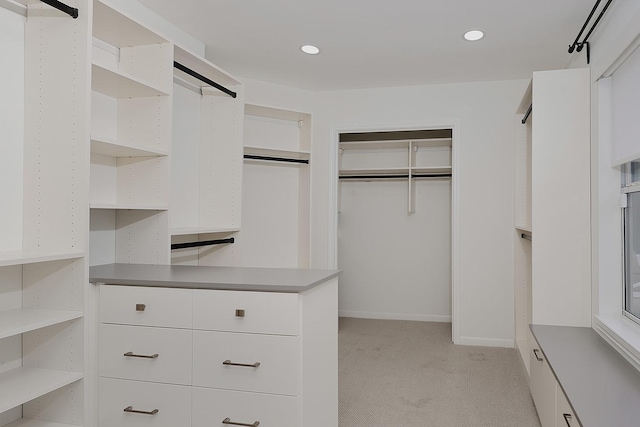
(19, 321)
(182, 231)
(113, 148)
(116, 84)
(33, 256)
(26, 422)
(127, 207)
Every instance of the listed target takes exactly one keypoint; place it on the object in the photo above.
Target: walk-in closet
(394, 224)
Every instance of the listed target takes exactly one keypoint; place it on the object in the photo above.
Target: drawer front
(146, 306)
(145, 353)
(211, 407)
(258, 312)
(278, 357)
(172, 402)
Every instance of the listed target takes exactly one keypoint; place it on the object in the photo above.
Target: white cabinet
(267, 357)
(44, 193)
(552, 211)
(564, 413)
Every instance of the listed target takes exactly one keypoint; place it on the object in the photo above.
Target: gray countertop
(601, 386)
(197, 277)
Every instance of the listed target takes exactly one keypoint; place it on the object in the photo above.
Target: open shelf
(113, 148)
(26, 422)
(185, 231)
(128, 207)
(433, 169)
(285, 154)
(525, 228)
(116, 84)
(113, 28)
(21, 385)
(202, 67)
(33, 256)
(19, 321)
(375, 145)
(375, 171)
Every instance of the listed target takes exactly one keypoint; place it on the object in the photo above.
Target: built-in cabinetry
(552, 205)
(200, 346)
(44, 190)
(276, 189)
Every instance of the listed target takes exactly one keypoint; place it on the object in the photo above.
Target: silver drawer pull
(535, 352)
(135, 411)
(143, 356)
(230, 363)
(140, 307)
(567, 419)
(228, 421)
(240, 312)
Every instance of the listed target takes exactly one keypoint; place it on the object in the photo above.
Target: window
(631, 222)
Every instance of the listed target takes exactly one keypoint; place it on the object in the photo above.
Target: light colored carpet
(409, 374)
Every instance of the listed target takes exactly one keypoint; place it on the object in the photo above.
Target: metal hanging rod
(71, 11)
(275, 159)
(578, 45)
(202, 78)
(422, 175)
(527, 114)
(203, 243)
(526, 237)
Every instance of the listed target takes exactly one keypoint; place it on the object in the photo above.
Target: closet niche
(394, 224)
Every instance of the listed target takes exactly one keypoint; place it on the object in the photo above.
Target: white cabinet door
(543, 388)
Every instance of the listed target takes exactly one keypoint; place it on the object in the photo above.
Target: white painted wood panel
(211, 407)
(142, 237)
(164, 307)
(173, 348)
(172, 402)
(264, 312)
(543, 388)
(278, 357)
(561, 206)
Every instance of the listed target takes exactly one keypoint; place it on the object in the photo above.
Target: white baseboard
(487, 342)
(395, 316)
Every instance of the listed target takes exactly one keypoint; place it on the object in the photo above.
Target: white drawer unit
(236, 357)
(213, 407)
(253, 312)
(247, 362)
(136, 403)
(146, 354)
(144, 306)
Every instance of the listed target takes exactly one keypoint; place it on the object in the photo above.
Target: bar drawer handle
(228, 421)
(230, 363)
(135, 411)
(567, 419)
(143, 356)
(535, 352)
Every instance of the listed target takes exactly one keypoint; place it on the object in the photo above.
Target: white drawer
(278, 357)
(173, 404)
(152, 354)
(211, 407)
(136, 305)
(264, 312)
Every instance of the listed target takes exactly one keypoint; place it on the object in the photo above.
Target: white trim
(622, 334)
(395, 316)
(13, 6)
(487, 342)
(332, 203)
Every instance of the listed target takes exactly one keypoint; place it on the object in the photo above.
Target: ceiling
(380, 43)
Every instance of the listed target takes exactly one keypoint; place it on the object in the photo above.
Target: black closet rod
(202, 78)
(586, 38)
(572, 47)
(527, 114)
(203, 243)
(71, 11)
(577, 45)
(422, 175)
(275, 159)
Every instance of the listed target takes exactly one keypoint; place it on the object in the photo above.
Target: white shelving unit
(132, 68)
(397, 159)
(44, 188)
(276, 188)
(206, 161)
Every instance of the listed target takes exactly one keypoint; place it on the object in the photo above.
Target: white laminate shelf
(200, 66)
(184, 231)
(19, 321)
(113, 148)
(118, 30)
(525, 228)
(116, 84)
(431, 169)
(375, 145)
(374, 171)
(26, 422)
(286, 154)
(33, 256)
(128, 207)
(21, 385)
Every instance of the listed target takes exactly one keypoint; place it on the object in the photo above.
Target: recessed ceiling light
(311, 50)
(473, 35)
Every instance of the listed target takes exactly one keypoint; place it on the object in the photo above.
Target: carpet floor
(409, 374)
